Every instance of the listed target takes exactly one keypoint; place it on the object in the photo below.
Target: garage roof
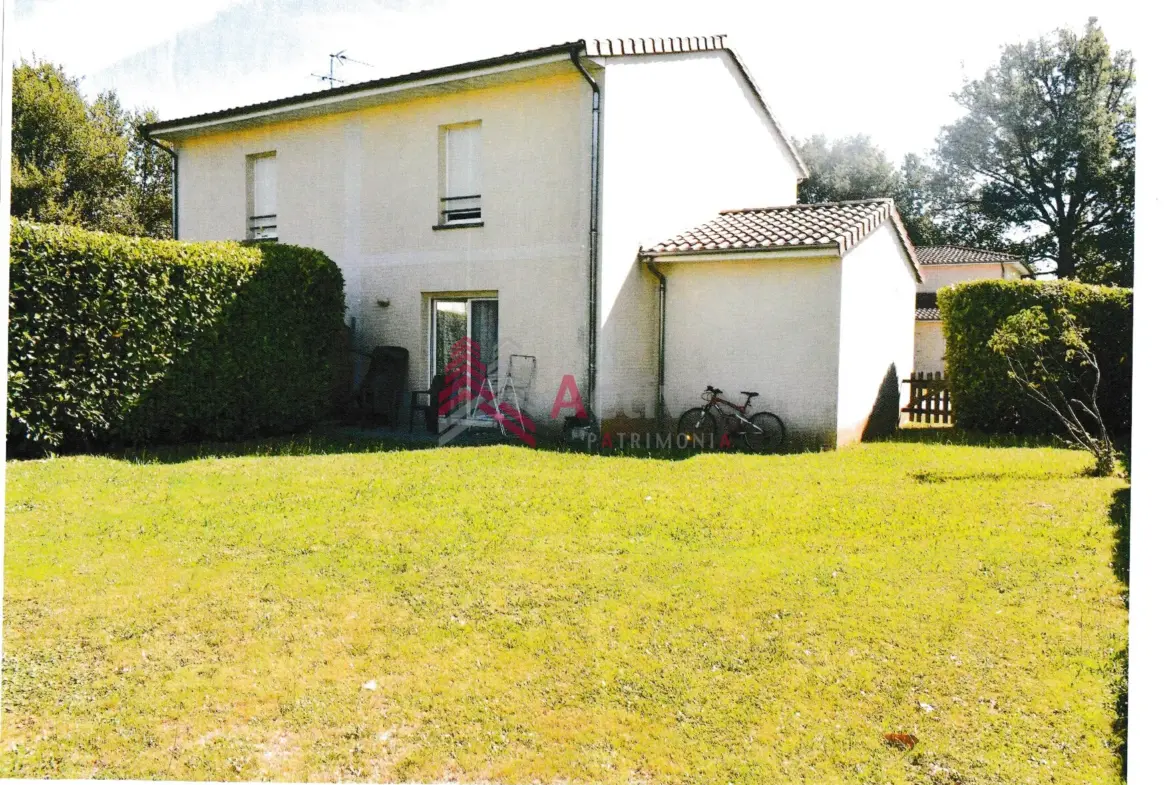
(836, 225)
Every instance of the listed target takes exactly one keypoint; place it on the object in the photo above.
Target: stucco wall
(682, 139)
(770, 326)
(929, 347)
(936, 276)
(877, 335)
(363, 187)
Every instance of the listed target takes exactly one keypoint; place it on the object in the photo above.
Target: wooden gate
(930, 398)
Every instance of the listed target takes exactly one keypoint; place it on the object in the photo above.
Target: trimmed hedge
(116, 339)
(985, 399)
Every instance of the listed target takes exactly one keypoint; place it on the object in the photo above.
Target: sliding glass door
(453, 320)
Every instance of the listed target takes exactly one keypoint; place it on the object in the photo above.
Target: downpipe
(174, 179)
(594, 197)
(660, 402)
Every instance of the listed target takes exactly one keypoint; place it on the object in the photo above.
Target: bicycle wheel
(699, 427)
(764, 432)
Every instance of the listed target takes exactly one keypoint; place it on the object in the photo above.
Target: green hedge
(117, 340)
(985, 398)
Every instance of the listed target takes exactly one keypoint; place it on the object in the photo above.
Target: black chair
(430, 409)
(381, 393)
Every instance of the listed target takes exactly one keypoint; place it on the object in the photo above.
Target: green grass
(539, 616)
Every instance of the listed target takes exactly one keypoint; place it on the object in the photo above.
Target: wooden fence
(930, 398)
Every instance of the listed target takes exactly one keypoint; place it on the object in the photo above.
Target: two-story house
(512, 200)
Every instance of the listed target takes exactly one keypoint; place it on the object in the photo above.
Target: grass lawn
(503, 614)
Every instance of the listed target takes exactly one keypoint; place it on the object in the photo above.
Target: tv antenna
(338, 59)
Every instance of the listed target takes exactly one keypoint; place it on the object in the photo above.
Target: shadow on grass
(931, 477)
(328, 440)
(963, 438)
(1119, 515)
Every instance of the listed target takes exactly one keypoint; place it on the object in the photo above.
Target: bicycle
(761, 432)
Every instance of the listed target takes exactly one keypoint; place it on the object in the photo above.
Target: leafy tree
(1049, 357)
(932, 210)
(151, 183)
(82, 163)
(938, 210)
(1045, 151)
(845, 169)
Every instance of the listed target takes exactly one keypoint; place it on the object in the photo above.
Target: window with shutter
(462, 192)
(262, 199)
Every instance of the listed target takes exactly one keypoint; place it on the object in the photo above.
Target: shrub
(116, 339)
(1052, 363)
(985, 397)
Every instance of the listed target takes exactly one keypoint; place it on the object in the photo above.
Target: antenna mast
(338, 58)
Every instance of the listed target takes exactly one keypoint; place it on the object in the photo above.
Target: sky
(835, 68)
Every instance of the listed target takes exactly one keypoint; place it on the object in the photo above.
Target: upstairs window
(262, 196)
(460, 151)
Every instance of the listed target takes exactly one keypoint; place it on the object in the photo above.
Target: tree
(845, 169)
(1045, 151)
(82, 163)
(1051, 360)
(151, 179)
(937, 210)
(931, 208)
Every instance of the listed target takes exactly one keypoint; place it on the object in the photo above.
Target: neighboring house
(508, 199)
(941, 265)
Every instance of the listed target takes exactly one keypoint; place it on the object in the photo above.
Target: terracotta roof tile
(839, 225)
(960, 254)
(616, 47)
(926, 307)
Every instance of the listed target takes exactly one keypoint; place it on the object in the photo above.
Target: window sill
(469, 225)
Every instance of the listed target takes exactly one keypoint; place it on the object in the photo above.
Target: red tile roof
(961, 254)
(837, 225)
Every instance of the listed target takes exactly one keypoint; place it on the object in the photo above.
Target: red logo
(468, 389)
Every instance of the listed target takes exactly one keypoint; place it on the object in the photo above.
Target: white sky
(885, 69)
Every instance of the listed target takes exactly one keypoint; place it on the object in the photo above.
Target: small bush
(117, 339)
(985, 397)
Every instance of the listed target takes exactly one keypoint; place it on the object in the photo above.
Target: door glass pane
(450, 326)
(454, 320)
(485, 333)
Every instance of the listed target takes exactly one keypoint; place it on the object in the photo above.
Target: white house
(508, 200)
(942, 265)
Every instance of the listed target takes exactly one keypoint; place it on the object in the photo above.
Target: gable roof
(358, 89)
(961, 254)
(353, 95)
(625, 47)
(828, 225)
